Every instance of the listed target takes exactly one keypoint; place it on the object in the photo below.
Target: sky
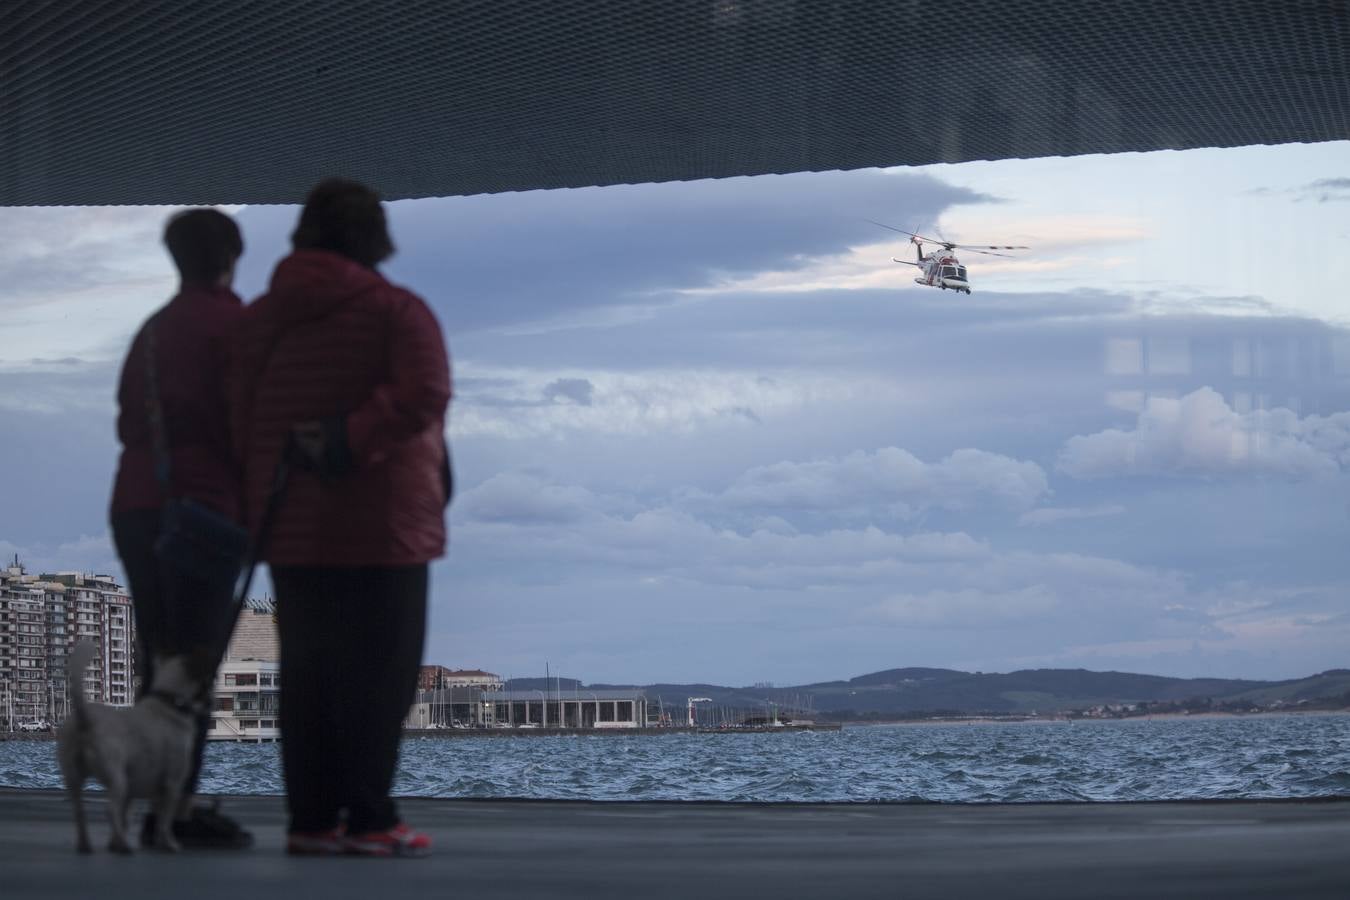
(708, 431)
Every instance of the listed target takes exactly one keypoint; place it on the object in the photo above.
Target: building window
(607, 711)
(625, 713)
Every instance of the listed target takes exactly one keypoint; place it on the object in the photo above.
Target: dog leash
(280, 478)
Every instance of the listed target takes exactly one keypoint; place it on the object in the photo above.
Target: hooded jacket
(333, 339)
(193, 335)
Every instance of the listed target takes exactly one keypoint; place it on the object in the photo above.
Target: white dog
(144, 751)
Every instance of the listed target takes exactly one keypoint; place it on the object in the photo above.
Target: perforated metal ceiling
(251, 102)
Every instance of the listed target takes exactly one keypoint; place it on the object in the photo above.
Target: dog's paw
(119, 846)
(84, 847)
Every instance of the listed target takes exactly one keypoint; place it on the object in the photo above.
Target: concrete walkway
(489, 849)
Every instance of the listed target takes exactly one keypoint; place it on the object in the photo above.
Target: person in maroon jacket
(352, 369)
(193, 336)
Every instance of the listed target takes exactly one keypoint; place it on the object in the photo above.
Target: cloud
(522, 404)
(77, 279)
(870, 266)
(1325, 190)
(1201, 435)
(1049, 515)
(889, 481)
(577, 390)
(559, 257)
(1322, 190)
(57, 387)
(84, 554)
(527, 500)
(1226, 631)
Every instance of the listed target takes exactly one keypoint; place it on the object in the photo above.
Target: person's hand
(311, 441)
(322, 445)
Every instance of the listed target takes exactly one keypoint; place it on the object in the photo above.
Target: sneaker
(205, 828)
(397, 841)
(316, 843)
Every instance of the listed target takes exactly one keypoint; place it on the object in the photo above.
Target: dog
(141, 752)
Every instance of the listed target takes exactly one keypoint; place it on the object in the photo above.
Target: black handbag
(195, 541)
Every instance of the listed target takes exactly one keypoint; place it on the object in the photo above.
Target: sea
(1134, 759)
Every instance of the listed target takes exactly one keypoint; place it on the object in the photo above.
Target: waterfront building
(448, 698)
(41, 618)
(469, 707)
(578, 708)
(439, 678)
(247, 694)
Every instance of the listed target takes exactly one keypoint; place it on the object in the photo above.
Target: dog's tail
(76, 663)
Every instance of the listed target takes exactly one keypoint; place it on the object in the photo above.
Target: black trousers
(351, 645)
(173, 614)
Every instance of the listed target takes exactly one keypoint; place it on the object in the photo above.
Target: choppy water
(1290, 756)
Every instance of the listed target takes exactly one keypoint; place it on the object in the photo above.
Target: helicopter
(941, 268)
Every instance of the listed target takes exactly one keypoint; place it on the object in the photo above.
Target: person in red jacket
(352, 369)
(193, 335)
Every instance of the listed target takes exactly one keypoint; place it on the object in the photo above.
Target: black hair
(204, 244)
(344, 217)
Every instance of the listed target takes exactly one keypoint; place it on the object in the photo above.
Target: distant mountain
(910, 691)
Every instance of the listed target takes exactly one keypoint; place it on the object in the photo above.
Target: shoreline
(50, 736)
(1066, 720)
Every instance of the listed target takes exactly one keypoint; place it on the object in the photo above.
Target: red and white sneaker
(397, 841)
(316, 843)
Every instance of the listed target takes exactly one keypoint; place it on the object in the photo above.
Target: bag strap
(280, 477)
(154, 410)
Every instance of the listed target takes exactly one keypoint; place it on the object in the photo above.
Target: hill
(906, 692)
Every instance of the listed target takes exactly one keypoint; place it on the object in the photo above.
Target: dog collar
(185, 707)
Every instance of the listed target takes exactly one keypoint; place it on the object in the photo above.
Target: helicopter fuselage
(942, 270)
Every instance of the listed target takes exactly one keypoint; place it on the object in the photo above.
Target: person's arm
(127, 405)
(416, 394)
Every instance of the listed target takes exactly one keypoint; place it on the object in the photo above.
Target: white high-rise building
(41, 618)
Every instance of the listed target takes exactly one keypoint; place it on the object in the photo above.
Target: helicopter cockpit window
(951, 272)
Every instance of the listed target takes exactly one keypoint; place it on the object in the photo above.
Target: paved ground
(489, 849)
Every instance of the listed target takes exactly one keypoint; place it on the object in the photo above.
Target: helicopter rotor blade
(926, 240)
(905, 262)
(991, 253)
(983, 247)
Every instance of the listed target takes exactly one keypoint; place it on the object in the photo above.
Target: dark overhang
(251, 102)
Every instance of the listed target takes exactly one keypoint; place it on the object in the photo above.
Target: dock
(539, 731)
(502, 848)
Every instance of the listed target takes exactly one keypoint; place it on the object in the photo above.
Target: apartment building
(41, 618)
(23, 655)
